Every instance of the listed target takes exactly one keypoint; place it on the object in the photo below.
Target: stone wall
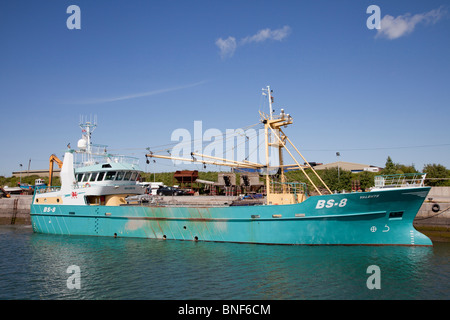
(435, 211)
(15, 210)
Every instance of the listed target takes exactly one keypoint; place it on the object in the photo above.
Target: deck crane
(53, 158)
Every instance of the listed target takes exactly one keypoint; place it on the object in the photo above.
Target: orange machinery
(53, 158)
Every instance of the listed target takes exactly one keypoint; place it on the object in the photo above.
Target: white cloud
(228, 46)
(393, 28)
(136, 95)
(267, 34)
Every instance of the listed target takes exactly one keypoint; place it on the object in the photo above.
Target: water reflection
(157, 269)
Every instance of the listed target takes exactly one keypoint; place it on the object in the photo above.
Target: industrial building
(348, 166)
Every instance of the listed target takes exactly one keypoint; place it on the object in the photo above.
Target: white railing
(405, 180)
(45, 189)
(91, 159)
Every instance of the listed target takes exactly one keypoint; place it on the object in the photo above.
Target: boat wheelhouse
(107, 173)
(100, 178)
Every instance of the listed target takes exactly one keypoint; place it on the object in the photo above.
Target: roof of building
(27, 173)
(349, 166)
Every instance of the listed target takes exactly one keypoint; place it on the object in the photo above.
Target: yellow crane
(53, 158)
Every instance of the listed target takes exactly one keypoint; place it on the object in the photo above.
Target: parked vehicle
(169, 191)
(189, 192)
(3, 193)
(253, 196)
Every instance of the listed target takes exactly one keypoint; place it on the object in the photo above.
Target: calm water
(33, 266)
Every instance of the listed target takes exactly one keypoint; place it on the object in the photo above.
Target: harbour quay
(15, 210)
(433, 218)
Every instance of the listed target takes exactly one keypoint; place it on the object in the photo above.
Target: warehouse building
(349, 166)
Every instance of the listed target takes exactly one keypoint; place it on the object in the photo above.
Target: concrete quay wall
(15, 210)
(442, 193)
(433, 218)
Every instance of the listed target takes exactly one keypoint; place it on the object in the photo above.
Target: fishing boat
(102, 196)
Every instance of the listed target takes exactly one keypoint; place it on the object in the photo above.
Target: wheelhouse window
(133, 176)
(100, 176)
(86, 177)
(110, 175)
(127, 175)
(93, 176)
(79, 177)
(120, 175)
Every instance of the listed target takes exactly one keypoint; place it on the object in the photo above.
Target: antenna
(269, 94)
(87, 128)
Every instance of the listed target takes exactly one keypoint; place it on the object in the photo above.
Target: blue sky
(146, 68)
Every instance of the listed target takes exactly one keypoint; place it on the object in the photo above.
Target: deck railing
(288, 187)
(403, 180)
(44, 189)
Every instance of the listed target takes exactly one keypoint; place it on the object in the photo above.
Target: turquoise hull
(368, 218)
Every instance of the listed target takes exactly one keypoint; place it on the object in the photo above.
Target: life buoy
(435, 207)
(87, 185)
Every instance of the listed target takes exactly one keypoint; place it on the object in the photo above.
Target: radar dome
(82, 144)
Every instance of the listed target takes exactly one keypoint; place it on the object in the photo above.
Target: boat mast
(271, 142)
(272, 125)
(87, 128)
(267, 92)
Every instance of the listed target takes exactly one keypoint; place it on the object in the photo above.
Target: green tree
(366, 179)
(390, 167)
(406, 169)
(437, 172)
(337, 180)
